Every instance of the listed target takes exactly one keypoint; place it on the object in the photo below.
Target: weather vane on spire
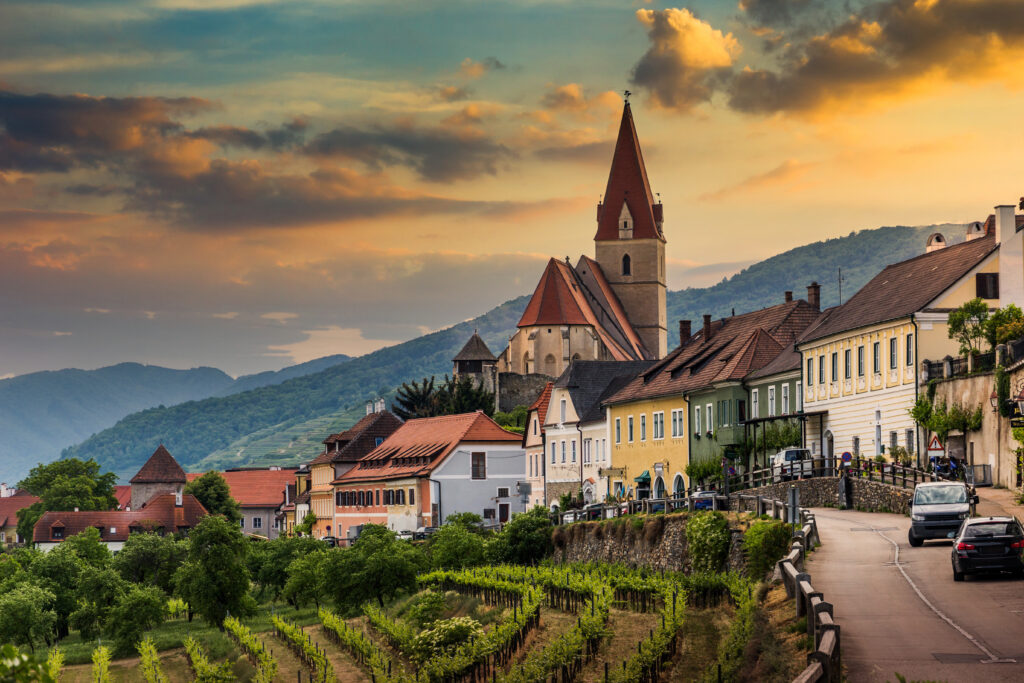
(625, 95)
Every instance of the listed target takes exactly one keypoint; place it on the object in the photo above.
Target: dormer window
(57, 532)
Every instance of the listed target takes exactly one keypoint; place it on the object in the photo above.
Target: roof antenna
(625, 95)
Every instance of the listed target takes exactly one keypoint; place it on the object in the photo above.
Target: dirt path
(345, 669)
(553, 623)
(287, 662)
(702, 632)
(173, 662)
(627, 628)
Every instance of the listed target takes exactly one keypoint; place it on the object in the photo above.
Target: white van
(792, 463)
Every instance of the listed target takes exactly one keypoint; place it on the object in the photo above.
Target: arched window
(526, 363)
(626, 265)
(549, 364)
(659, 488)
(678, 488)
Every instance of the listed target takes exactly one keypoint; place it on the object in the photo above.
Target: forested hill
(197, 429)
(42, 412)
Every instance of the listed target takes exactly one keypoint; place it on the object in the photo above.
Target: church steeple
(628, 210)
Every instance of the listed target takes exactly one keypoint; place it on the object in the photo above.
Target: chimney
(1006, 223)
(76, 509)
(975, 230)
(707, 326)
(789, 295)
(369, 407)
(814, 295)
(177, 498)
(934, 243)
(380, 406)
(684, 330)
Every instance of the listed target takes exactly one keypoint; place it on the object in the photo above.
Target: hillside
(42, 412)
(265, 379)
(284, 423)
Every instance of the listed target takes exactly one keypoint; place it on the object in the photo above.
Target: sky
(247, 184)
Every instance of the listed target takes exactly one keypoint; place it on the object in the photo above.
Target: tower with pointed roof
(161, 474)
(630, 242)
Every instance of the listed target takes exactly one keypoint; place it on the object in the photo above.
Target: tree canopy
(215, 579)
(65, 485)
(213, 492)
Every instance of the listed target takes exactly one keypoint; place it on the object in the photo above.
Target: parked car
(423, 532)
(404, 535)
(704, 500)
(792, 463)
(988, 544)
(938, 509)
(331, 541)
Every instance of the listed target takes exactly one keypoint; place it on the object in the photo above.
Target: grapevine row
(150, 662)
(363, 650)
(301, 644)
(206, 671)
(255, 650)
(101, 665)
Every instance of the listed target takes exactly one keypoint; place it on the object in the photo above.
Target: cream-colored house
(862, 363)
(533, 443)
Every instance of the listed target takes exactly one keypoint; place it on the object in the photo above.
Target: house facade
(260, 492)
(774, 400)
(431, 468)
(534, 446)
(9, 506)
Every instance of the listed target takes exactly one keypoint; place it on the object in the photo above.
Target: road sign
(935, 444)
(847, 457)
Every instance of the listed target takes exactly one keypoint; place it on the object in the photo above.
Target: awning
(644, 478)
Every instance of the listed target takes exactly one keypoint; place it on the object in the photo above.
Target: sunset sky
(248, 184)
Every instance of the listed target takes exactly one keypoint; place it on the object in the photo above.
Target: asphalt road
(900, 611)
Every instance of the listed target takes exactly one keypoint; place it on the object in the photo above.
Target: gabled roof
(475, 349)
(587, 381)
(256, 487)
(905, 287)
(582, 296)
(160, 512)
(160, 468)
(359, 439)
(541, 406)
(10, 505)
(627, 183)
(418, 446)
(123, 493)
(737, 345)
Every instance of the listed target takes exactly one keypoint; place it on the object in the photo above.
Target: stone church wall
(519, 390)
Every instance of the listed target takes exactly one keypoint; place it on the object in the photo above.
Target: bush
(446, 635)
(426, 607)
(765, 542)
(707, 535)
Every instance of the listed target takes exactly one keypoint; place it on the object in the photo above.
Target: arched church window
(626, 265)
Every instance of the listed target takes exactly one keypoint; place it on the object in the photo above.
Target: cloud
(285, 136)
(473, 69)
(599, 152)
(326, 341)
(685, 60)
(280, 316)
(572, 99)
(452, 93)
(61, 334)
(92, 309)
(775, 12)
(231, 315)
(785, 173)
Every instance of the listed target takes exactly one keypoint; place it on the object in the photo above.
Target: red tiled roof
(257, 488)
(123, 493)
(159, 512)
(360, 438)
(418, 446)
(161, 467)
(10, 505)
(554, 302)
(627, 182)
(541, 406)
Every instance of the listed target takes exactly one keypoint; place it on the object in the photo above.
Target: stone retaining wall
(871, 496)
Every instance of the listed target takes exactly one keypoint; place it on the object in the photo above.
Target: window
(362, 498)
(400, 494)
(678, 428)
(552, 452)
(893, 353)
(535, 421)
(755, 409)
(910, 440)
(479, 463)
(856, 445)
(563, 451)
(257, 522)
(531, 466)
(586, 451)
(378, 441)
(892, 440)
(909, 355)
(771, 401)
(785, 399)
(810, 372)
(58, 531)
(860, 361)
(696, 420)
(562, 411)
(724, 412)
(821, 369)
(643, 427)
(658, 425)
(799, 397)
(488, 513)
(376, 497)
(618, 432)
(741, 411)
(987, 285)
(877, 360)
(709, 417)
(626, 269)
(573, 450)
(835, 366)
(629, 428)
(503, 492)
(847, 369)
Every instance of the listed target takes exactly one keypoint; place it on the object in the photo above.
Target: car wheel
(957, 576)
(914, 540)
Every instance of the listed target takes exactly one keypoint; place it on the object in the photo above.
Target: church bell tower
(630, 243)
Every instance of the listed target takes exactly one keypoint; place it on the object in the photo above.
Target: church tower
(630, 244)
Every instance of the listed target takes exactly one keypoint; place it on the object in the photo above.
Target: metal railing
(958, 366)
(985, 361)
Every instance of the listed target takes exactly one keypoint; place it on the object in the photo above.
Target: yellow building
(649, 447)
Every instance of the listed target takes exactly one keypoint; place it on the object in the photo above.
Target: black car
(988, 544)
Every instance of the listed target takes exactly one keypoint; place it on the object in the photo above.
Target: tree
(271, 568)
(151, 559)
(1004, 325)
(89, 548)
(25, 615)
(306, 525)
(307, 579)
(455, 547)
(18, 667)
(65, 485)
(387, 566)
(415, 400)
(967, 325)
(136, 611)
(464, 395)
(469, 520)
(98, 591)
(524, 540)
(215, 578)
(213, 492)
(58, 571)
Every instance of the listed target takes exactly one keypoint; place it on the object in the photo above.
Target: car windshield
(937, 495)
(991, 529)
(795, 455)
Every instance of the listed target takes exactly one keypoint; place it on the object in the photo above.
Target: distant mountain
(284, 423)
(264, 379)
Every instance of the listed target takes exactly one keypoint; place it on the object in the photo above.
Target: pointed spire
(628, 184)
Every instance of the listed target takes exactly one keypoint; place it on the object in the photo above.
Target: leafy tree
(514, 421)
(25, 615)
(151, 559)
(18, 667)
(455, 547)
(413, 400)
(463, 395)
(65, 485)
(139, 609)
(967, 324)
(1004, 325)
(305, 527)
(272, 559)
(215, 579)
(89, 548)
(469, 520)
(524, 540)
(213, 492)
(58, 572)
(386, 566)
(98, 591)
(307, 579)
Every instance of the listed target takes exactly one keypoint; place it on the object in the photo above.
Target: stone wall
(824, 492)
(519, 390)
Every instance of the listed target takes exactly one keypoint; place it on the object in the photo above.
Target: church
(610, 307)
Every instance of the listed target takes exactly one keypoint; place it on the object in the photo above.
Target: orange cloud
(786, 173)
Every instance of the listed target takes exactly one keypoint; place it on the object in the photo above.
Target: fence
(958, 366)
(985, 362)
